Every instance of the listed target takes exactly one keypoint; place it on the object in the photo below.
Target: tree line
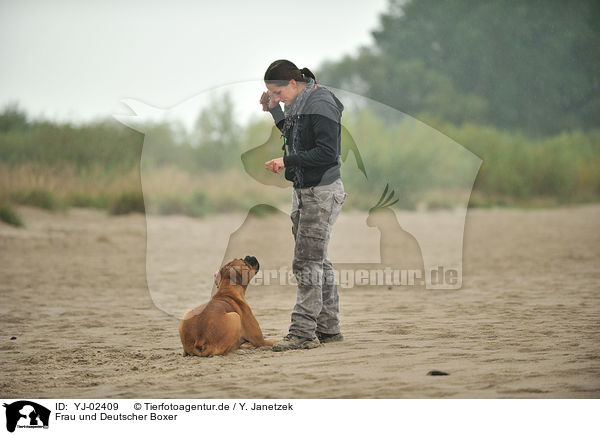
(529, 65)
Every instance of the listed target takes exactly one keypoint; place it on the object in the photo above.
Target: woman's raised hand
(268, 101)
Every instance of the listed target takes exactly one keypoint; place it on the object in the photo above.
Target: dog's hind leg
(221, 338)
(230, 333)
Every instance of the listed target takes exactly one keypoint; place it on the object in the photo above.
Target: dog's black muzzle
(251, 262)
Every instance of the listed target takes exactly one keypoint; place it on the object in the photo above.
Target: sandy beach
(78, 319)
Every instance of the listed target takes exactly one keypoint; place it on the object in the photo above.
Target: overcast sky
(77, 59)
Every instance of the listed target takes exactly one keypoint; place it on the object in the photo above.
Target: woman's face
(287, 93)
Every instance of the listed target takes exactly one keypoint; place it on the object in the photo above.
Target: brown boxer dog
(225, 322)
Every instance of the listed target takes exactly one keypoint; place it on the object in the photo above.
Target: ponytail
(308, 73)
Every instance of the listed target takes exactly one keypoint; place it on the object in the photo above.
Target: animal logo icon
(27, 414)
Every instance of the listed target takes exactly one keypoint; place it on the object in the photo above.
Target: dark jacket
(319, 140)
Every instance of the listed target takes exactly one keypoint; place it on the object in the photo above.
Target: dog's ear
(223, 270)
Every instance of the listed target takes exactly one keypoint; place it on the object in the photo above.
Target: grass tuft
(10, 216)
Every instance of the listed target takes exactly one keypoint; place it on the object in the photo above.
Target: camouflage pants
(317, 301)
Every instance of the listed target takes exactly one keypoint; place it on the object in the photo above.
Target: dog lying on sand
(226, 322)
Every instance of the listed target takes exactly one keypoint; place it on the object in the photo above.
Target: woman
(311, 128)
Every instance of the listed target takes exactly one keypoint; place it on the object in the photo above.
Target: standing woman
(311, 128)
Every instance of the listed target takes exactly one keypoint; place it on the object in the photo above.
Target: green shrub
(199, 205)
(81, 199)
(10, 216)
(38, 198)
(127, 202)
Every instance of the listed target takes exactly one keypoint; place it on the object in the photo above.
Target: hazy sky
(77, 59)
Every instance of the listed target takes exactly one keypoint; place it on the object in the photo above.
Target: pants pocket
(340, 197)
(310, 243)
(338, 201)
